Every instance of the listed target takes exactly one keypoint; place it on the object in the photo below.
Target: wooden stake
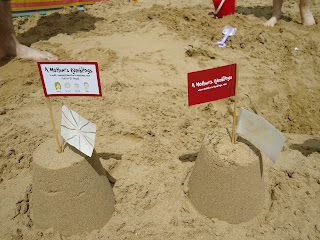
(54, 126)
(235, 108)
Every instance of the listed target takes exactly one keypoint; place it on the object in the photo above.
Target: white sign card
(70, 78)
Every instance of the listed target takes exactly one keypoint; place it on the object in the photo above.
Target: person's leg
(277, 5)
(306, 15)
(9, 45)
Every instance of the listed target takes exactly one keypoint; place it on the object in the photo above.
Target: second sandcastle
(227, 180)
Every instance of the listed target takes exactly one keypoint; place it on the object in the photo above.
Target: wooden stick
(54, 126)
(235, 107)
(62, 146)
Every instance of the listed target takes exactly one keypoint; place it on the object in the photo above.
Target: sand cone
(71, 192)
(227, 179)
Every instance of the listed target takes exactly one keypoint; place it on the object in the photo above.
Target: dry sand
(70, 191)
(227, 179)
(148, 137)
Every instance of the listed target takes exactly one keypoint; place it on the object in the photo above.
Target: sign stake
(235, 107)
(53, 124)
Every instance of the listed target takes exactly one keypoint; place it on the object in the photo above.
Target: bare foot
(31, 53)
(271, 22)
(307, 17)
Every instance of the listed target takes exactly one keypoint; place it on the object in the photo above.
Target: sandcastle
(227, 179)
(71, 192)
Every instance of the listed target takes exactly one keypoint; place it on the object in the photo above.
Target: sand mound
(71, 192)
(227, 179)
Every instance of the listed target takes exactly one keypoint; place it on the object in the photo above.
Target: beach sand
(227, 179)
(147, 136)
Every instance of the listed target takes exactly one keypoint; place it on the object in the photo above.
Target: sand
(148, 138)
(227, 180)
(71, 191)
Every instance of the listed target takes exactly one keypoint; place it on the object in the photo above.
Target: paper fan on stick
(77, 131)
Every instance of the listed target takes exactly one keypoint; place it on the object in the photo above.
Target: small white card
(70, 78)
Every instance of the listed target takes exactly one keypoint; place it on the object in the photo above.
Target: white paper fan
(77, 131)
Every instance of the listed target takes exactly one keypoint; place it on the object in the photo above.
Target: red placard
(211, 84)
(70, 78)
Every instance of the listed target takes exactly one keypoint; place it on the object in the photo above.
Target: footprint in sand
(127, 116)
(126, 143)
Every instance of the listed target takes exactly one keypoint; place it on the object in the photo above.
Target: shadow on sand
(54, 24)
(259, 11)
(308, 147)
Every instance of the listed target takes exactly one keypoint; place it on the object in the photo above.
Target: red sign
(211, 84)
(70, 78)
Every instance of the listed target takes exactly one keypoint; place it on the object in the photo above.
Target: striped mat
(29, 7)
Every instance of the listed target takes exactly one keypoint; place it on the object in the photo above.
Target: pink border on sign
(55, 95)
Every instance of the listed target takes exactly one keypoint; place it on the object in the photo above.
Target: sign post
(213, 84)
(69, 79)
(235, 108)
(54, 126)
